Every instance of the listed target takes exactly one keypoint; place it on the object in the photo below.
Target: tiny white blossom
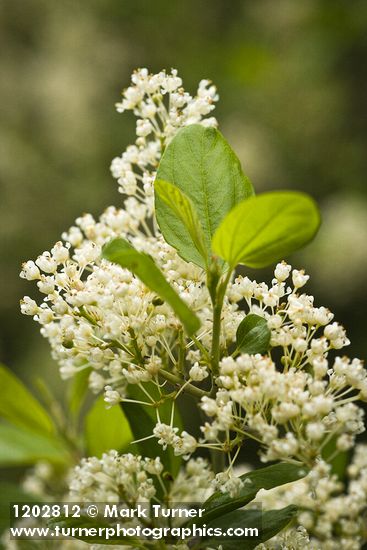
(198, 373)
(282, 271)
(28, 306)
(112, 397)
(299, 278)
(30, 271)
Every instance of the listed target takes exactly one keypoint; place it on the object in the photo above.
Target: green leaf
(266, 228)
(20, 447)
(200, 163)
(185, 214)
(121, 252)
(142, 420)
(253, 335)
(263, 478)
(18, 406)
(106, 429)
(142, 425)
(78, 390)
(338, 460)
(268, 524)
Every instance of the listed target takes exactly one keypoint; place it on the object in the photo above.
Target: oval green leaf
(253, 335)
(200, 162)
(20, 407)
(20, 447)
(266, 228)
(78, 390)
(123, 253)
(116, 433)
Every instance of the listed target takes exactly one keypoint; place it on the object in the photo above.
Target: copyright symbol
(92, 511)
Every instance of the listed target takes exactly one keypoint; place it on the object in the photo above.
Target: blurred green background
(292, 81)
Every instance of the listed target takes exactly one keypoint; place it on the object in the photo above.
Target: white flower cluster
(333, 515)
(97, 315)
(304, 332)
(290, 413)
(130, 478)
(114, 478)
(162, 107)
(294, 410)
(185, 444)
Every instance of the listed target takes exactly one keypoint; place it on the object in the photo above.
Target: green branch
(177, 381)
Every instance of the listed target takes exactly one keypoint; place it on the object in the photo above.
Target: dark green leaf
(186, 214)
(266, 228)
(337, 460)
(21, 447)
(18, 406)
(200, 162)
(253, 335)
(142, 420)
(268, 524)
(263, 478)
(121, 252)
(115, 432)
(78, 390)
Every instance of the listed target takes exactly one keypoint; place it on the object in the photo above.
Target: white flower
(112, 397)
(299, 278)
(46, 263)
(345, 442)
(30, 271)
(143, 127)
(60, 253)
(185, 444)
(226, 482)
(282, 271)
(28, 306)
(315, 430)
(166, 434)
(198, 373)
(209, 406)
